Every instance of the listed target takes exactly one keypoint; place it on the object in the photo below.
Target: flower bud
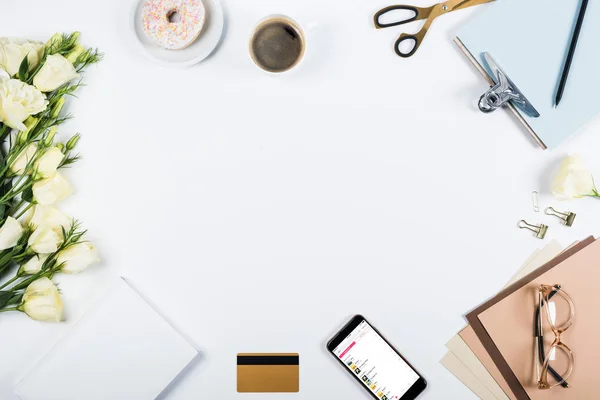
(34, 265)
(573, 179)
(50, 191)
(60, 146)
(54, 41)
(48, 216)
(55, 72)
(75, 53)
(30, 123)
(50, 136)
(73, 142)
(44, 240)
(77, 257)
(19, 165)
(57, 108)
(22, 136)
(10, 233)
(41, 301)
(48, 163)
(75, 36)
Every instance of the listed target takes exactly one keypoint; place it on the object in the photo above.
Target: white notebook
(121, 349)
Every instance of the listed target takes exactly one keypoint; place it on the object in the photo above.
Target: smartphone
(374, 362)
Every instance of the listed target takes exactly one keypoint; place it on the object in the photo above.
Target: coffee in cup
(277, 44)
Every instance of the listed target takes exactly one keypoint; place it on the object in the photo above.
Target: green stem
(10, 309)
(15, 207)
(5, 260)
(4, 131)
(24, 210)
(9, 256)
(10, 281)
(24, 283)
(14, 193)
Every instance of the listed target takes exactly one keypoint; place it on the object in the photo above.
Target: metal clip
(535, 198)
(567, 218)
(503, 92)
(539, 230)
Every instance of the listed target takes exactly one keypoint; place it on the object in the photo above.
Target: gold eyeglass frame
(545, 293)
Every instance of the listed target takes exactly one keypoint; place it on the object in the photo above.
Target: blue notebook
(529, 40)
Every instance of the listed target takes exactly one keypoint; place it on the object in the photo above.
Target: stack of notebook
(495, 354)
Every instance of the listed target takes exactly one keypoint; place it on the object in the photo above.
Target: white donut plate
(201, 48)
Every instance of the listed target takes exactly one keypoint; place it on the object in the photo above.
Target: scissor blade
(468, 3)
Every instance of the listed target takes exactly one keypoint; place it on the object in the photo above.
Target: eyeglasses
(556, 310)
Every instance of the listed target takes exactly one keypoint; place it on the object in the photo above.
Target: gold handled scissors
(428, 13)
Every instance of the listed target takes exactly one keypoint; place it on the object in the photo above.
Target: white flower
(41, 301)
(34, 265)
(48, 163)
(49, 216)
(10, 233)
(13, 51)
(77, 257)
(45, 240)
(51, 190)
(4, 74)
(18, 166)
(55, 72)
(18, 101)
(573, 179)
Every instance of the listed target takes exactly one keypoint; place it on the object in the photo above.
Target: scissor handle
(417, 38)
(420, 13)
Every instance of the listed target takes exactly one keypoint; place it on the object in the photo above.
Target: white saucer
(194, 53)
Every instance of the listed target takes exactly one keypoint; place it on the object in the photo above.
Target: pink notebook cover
(509, 325)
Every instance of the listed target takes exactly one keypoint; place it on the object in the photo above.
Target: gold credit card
(268, 372)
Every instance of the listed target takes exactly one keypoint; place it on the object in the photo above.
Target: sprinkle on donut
(173, 24)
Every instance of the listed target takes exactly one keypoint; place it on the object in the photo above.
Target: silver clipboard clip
(503, 92)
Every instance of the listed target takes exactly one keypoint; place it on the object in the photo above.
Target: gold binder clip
(539, 230)
(567, 218)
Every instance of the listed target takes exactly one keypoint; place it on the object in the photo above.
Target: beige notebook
(466, 376)
(508, 321)
(472, 355)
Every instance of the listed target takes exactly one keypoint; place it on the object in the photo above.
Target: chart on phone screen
(375, 363)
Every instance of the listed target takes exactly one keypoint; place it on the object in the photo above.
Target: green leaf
(16, 299)
(5, 297)
(27, 195)
(4, 189)
(24, 69)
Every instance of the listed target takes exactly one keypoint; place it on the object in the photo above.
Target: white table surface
(258, 213)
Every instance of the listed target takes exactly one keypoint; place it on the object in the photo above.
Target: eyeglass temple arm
(540, 343)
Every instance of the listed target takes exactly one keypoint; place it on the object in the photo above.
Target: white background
(258, 213)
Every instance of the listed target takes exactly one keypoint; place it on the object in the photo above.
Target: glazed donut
(173, 24)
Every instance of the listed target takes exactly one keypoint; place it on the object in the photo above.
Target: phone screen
(381, 369)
